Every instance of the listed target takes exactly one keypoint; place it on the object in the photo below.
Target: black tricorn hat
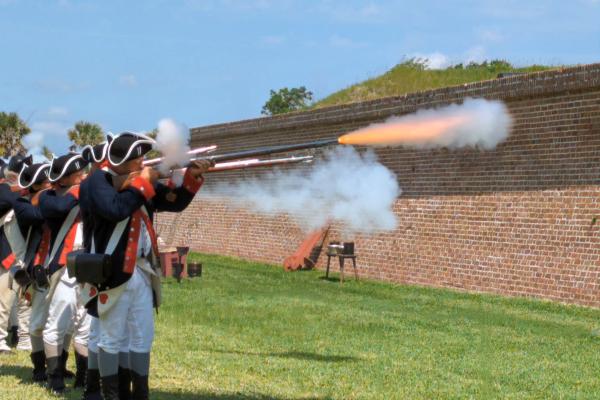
(128, 146)
(33, 174)
(97, 153)
(66, 165)
(16, 162)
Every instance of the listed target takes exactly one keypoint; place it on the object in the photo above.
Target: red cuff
(190, 183)
(144, 187)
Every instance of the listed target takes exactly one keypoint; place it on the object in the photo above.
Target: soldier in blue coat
(122, 227)
(96, 156)
(9, 193)
(67, 317)
(25, 239)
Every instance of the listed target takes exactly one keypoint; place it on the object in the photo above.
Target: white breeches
(39, 312)
(131, 319)
(67, 314)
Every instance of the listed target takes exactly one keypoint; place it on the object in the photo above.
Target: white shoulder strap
(7, 217)
(62, 233)
(114, 237)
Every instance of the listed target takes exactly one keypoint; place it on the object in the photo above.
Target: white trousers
(39, 312)
(130, 318)
(7, 300)
(20, 316)
(67, 315)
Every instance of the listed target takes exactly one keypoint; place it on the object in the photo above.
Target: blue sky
(127, 64)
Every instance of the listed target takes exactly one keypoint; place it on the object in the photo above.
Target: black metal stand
(341, 259)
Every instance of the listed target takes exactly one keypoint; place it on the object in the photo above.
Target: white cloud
(341, 41)
(475, 54)
(491, 35)
(49, 127)
(273, 40)
(57, 112)
(61, 86)
(54, 134)
(347, 13)
(128, 80)
(435, 60)
(238, 5)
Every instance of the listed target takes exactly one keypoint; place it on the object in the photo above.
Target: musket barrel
(263, 151)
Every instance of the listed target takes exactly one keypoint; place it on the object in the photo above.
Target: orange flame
(403, 131)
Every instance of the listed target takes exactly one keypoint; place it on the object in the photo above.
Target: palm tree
(84, 133)
(12, 129)
(46, 152)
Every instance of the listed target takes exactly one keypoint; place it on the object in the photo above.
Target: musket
(254, 163)
(235, 160)
(193, 152)
(268, 150)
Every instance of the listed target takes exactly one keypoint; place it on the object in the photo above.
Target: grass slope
(412, 76)
(249, 331)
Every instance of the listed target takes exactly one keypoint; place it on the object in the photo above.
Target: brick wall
(518, 220)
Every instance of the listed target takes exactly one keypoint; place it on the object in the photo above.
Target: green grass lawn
(250, 331)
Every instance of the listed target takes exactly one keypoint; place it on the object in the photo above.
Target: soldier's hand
(150, 174)
(198, 167)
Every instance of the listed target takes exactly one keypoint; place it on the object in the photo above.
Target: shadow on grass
(24, 376)
(164, 395)
(20, 372)
(329, 279)
(299, 355)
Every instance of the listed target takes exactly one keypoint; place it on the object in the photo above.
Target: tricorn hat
(128, 146)
(66, 165)
(97, 153)
(16, 162)
(33, 174)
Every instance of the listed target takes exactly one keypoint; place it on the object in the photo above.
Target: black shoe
(92, 385)
(140, 386)
(124, 384)
(110, 387)
(13, 336)
(38, 359)
(81, 362)
(63, 359)
(56, 380)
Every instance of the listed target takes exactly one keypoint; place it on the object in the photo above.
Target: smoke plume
(172, 142)
(343, 186)
(477, 122)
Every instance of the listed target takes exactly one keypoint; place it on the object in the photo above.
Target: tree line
(13, 129)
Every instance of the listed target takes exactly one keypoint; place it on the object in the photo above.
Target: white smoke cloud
(344, 186)
(172, 142)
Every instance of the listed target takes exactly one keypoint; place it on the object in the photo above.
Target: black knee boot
(110, 387)
(13, 336)
(140, 386)
(124, 384)
(81, 362)
(56, 380)
(63, 360)
(92, 385)
(38, 360)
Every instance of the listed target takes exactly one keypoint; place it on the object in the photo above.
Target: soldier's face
(74, 179)
(135, 165)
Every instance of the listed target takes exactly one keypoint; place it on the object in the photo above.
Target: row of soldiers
(80, 262)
